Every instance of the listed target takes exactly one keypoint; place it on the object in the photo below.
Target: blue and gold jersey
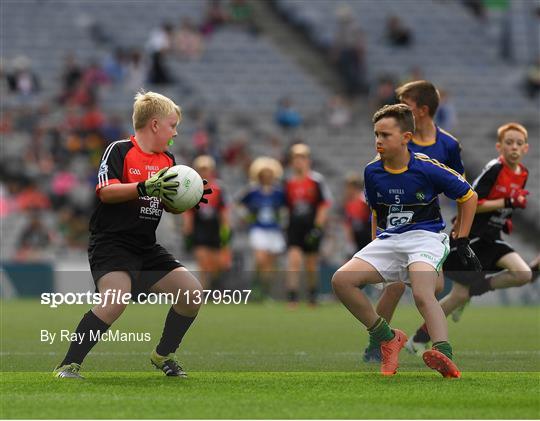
(407, 199)
(445, 149)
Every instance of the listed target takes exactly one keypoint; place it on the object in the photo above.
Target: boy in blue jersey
(402, 189)
(262, 202)
(423, 99)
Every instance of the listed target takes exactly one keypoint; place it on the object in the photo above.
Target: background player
(402, 189)
(263, 202)
(500, 189)
(123, 252)
(207, 229)
(423, 99)
(357, 212)
(308, 200)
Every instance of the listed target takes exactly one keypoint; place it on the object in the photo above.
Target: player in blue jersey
(402, 189)
(264, 201)
(423, 99)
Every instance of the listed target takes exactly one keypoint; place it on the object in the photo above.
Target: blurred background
(252, 77)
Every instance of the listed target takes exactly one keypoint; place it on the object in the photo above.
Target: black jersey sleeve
(485, 181)
(111, 167)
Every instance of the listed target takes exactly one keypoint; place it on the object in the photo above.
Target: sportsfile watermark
(113, 296)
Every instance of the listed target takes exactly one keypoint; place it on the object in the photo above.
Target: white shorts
(269, 240)
(392, 256)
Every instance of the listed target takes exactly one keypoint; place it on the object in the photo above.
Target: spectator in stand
(287, 117)
(161, 39)
(33, 240)
(22, 80)
(31, 197)
(338, 112)
(135, 72)
(414, 73)
(160, 44)
(114, 66)
(385, 92)
(71, 75)
(241, 13)
(348, 52)
(214, 17)
(188, 41)
(93, 119)
(446, 115)
(532, 79)
(397, 33)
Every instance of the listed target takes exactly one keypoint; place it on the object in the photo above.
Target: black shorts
(145, 266)
(488, 252)
(296, 236)
(206, 238)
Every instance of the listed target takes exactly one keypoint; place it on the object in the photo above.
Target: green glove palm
(158, 185)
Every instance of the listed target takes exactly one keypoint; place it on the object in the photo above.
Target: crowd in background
(62, 137)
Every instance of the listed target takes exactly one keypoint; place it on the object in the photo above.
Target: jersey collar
(400, 170)
(136, 145)
(419, 143)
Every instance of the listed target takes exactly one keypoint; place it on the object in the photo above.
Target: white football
(190, 187)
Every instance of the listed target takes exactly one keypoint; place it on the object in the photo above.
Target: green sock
(443, 347)
(380, 331)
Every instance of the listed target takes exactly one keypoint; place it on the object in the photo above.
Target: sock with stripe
(443, 347)
(381, 331)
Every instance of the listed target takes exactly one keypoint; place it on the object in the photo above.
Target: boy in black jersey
(123, 253)
(501, 189)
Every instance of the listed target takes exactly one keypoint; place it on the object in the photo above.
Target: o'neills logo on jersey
(152, 210)
(135, 171)
(151, 167)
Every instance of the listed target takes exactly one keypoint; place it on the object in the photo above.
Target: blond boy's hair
(204, 161)
(150, 105)
(263, 163)
(511, 126)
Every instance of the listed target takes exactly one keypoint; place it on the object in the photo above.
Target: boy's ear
(525, 148)
(154, 124)
(407, 136)
(498, 147)
(425, 110)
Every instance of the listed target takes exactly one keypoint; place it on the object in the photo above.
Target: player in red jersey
(308, 200)
(123, 253)
(501, 190)
(207, 230)
(357, 212)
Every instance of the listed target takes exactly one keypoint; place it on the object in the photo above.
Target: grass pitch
(264, 361)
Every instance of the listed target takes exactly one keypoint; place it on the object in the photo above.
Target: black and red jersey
(303, 197)
(207, 219)
(134, 222)
(497, 181)
(357, 213)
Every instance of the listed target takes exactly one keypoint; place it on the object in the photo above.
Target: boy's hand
(313, 237)
(518, 199)
(205, 192)
(466, 255)
(158, 185)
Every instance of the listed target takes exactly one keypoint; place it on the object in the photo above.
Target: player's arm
(118, 193)
(465, 216)
(456, 188)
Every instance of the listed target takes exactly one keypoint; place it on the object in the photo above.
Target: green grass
(264, 361)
